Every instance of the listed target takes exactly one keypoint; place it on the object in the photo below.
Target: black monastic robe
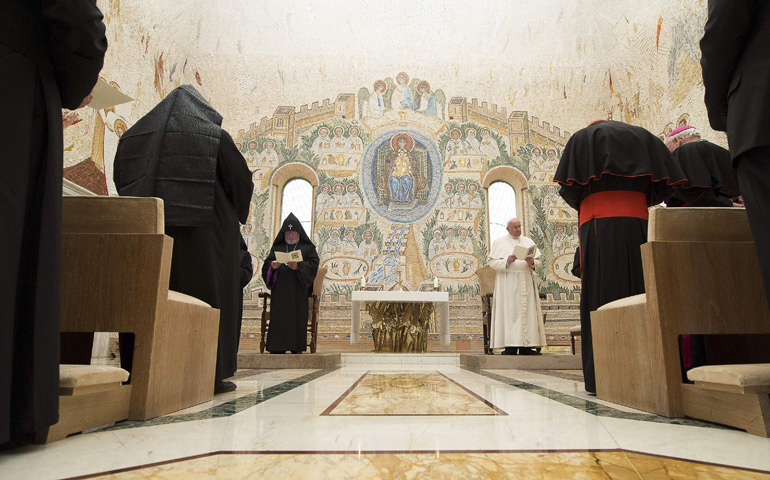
(179, 153)
(627, 169)
(711, 179)
(51, 53)
(290, 290)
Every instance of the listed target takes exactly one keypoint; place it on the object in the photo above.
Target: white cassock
(516, 317)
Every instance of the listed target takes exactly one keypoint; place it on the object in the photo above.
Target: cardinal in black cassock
(711, 179)
(611, 172)
(179, 152)
(290, 285)
(51, 53)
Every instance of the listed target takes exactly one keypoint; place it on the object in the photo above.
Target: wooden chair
(314, 309)
(487, 277)
(116, 263)
(574, 332)
(701, 277)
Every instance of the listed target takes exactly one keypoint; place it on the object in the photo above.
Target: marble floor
(401, 420)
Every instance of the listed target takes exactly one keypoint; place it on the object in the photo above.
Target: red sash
(613, 203)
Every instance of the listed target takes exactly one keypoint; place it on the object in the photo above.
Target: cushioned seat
(749, 377)
(77, 376)
(89, 396)
(735, 395)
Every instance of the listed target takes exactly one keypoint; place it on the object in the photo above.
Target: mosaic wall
(401, 147)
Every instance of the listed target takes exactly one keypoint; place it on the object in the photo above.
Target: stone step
(400, 359)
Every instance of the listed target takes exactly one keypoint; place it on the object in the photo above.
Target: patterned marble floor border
(228, 408)
(588, 406)
(329, 411)
(635, 459)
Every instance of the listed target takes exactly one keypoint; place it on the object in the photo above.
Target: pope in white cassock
(517, 322)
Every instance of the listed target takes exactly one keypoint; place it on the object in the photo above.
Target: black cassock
(51, 53)
(178, 152)
(711, 179)
(611, 172)
(289, 291)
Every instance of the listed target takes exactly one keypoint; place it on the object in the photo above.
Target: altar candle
(435, 282)
(363, 282)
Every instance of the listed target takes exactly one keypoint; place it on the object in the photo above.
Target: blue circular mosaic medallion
(401, 175)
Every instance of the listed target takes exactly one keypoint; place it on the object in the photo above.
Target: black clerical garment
(179, 153)
(711, 179)
(246, 273)
(736, 75)
(51, 53)
(289, 291)
(611, 172)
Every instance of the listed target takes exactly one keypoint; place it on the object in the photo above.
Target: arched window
(502, 207)
(298, 199)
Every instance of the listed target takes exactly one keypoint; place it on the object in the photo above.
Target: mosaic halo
(375, 180)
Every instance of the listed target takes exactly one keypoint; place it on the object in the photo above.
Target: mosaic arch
(401, 175)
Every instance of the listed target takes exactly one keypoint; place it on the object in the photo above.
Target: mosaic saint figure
(268, 156)
(333, 245)
(488, 146)
(447, 196)
(402, 96)
(450, 243)
(464, 243)
(456, 145)
(560, 242)
(427, 104)
(461, 198)
(349, 245)
(401, 181)
(367, 249)
(376, 101)
(436, 244)
(338, 198)
(252, 155)
(339, 143)
(474, 199)
(352, 199)
(551, 161)
(322, 144)
(355, 144)
(474, 146)
(324, 200)
(536, 161)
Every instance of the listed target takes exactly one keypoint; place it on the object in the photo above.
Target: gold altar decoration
(400, 327)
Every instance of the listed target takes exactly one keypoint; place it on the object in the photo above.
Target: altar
(404, 310)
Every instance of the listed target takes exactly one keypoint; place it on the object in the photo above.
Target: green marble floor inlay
(588, 406)
(228, 408)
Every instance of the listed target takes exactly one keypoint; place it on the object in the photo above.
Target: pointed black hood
(171, 153)
(291, 223)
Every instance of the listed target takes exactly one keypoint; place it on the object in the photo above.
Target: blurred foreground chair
(487, 277)
(116, 263)
(701, 277)
(314, 309)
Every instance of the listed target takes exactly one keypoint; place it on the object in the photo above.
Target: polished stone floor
(401, 420)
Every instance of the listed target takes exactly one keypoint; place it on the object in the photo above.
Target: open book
(522, 252)
(293, 256)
